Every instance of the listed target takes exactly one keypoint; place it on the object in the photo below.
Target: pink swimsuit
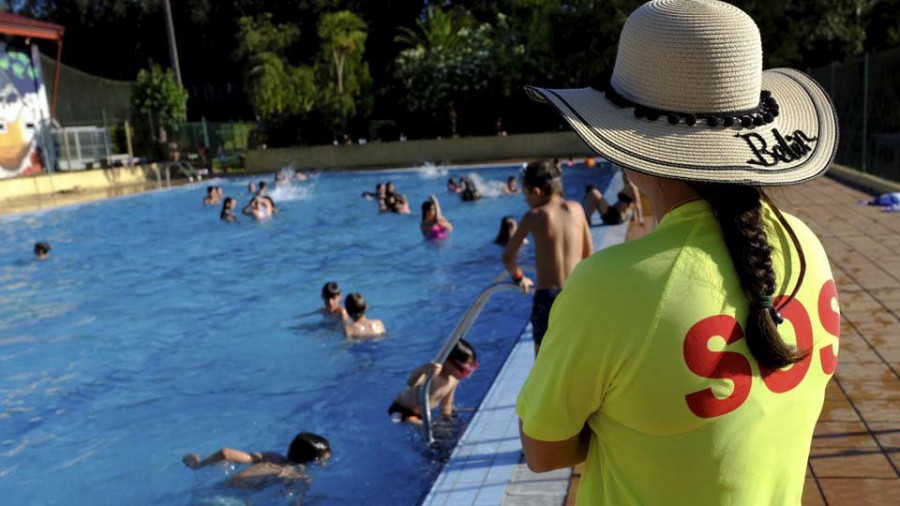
(438, 233)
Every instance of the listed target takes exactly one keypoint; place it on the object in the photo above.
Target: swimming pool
(155, 330)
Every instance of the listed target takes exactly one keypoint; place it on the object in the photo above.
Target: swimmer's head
(210, 190)
(262, 185)
(268, 198)
(462, 360)
(589, 188)
(355, 304)
(379, 189)
(508, 226)
(451, 184)
(308, 447)
(428, 211)
(389, 187)
(541, 180)
(331, 295)
(229, 203)
(511, 182)
(251, 187)
(41, 249)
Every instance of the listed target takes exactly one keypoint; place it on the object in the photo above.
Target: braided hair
(739, 211)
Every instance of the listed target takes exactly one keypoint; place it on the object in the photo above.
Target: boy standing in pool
(562, 238)
(357, 326)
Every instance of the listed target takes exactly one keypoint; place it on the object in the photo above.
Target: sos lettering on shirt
(736, 367)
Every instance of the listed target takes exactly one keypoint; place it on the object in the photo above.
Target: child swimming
(356, 326)
(331, 298)
(434, 226)
(268, 468)
(41, 249)
(459, 365)
(227, 213)
(511, 186)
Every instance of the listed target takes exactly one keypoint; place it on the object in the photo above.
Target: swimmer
(459, 365)
(511, 186)
(628, 198)
(469, 191)
(41, 249)
(211, 196)
(378, 194)
(262, 189)
(357, 326)
(227, 213)
(452, 187)
(269, 468)
(331, 297)
(259, 208)
(251, 188)
(434, 226)
(271, 204)
(508, 227)
(396, 203)
(299, 176)
(389, 188)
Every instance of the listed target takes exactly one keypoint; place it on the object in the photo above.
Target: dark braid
(739, 211)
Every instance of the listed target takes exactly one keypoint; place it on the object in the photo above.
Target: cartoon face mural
(23, 111)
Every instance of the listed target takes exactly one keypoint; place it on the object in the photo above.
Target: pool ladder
(462, 328)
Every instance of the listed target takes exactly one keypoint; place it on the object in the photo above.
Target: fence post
(106, 137)
(205, 132)
(128, 142)
(865, 112)
(65, 136)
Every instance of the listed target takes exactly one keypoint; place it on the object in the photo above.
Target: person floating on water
(468, 192)
(434, 225)
(269, 468)
(562, 238)
(41, 250)
(628, 198)
(357, 326)
(331, 298)
(690, 366)
(228, 207)
(511, 186)
(459, 365)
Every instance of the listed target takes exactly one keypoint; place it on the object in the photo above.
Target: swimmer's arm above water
(512, 250)
(193, 461)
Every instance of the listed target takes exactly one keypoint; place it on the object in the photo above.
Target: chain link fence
(866, 93)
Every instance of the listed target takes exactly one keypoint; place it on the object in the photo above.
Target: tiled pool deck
(855, 456)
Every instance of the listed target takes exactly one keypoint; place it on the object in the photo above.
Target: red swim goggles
(465, 369)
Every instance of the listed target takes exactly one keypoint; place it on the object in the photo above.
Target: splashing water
(487, 188)
(431, 171)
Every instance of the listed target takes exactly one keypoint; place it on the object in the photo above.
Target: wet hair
(470, 191)
(379, 186)
(210, 190)
(274, 207)
(506, 226)
(463, 352)
(262, 184)
(451, 182)
(428, 205)
(355, 304)
(510, 179)
(41, 248)
(396, 202)
(225, 203)
(740, 213)
(389, 183)
(543, 174)
(589, 188)
(308, 447)
(330, 289)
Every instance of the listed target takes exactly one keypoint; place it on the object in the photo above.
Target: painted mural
(24, 113)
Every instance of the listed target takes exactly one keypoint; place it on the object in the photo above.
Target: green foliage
(451, 63)
(275, 89)
(157, 94)
(343, 76)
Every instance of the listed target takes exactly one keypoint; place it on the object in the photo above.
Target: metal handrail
(462, 328)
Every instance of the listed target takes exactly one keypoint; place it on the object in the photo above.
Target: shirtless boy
(562, 238)
(357, 326)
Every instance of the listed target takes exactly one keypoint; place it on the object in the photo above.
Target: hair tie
(766, 302)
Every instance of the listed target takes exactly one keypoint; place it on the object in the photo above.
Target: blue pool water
(155, 330)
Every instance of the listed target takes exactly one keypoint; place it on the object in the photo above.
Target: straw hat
(688, 100)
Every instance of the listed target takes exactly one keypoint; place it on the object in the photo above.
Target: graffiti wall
(24, 113)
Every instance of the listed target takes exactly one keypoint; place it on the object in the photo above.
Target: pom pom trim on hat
(764, 113)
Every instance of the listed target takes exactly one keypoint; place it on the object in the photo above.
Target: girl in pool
(434, 226)
(331, 298)
(228, 210)
(628, 198)
(508, 227)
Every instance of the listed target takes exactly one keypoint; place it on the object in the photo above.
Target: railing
(462, 328)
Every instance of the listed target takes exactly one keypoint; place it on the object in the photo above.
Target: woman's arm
(543, 456)
(193, 461)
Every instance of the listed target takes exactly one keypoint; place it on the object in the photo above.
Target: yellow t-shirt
(646, 346)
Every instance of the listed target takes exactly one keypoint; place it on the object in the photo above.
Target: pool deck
(855, 455)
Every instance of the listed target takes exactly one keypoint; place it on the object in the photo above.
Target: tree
(275, 89)
(344, 80)
(158, 95)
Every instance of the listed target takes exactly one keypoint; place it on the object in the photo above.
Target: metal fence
(866, 93)
(82, 147)
(224, 142)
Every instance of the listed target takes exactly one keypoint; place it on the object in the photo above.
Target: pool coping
(485, 467)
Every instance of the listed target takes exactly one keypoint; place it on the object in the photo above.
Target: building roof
(12, 24)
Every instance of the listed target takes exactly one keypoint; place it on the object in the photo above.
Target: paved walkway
(855, 456)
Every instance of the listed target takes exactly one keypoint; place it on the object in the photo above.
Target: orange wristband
(518, 277)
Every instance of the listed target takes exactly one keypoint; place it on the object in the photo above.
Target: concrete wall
(46, 184)
(404, 154)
